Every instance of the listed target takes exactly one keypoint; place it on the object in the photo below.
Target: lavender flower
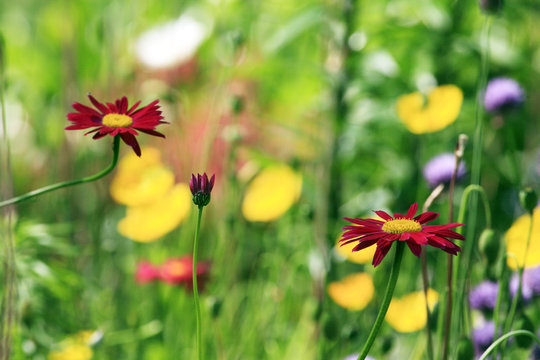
(483, 336)
(531, 277)
(440, 169)
(503, 93)
(526, 291)
(484, 295)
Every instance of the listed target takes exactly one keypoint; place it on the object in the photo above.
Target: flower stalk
(195, 288)
(201, 189)
(64, 184)
(386, 300)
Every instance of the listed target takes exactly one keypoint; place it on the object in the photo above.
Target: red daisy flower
(403, 228)
(116, 119)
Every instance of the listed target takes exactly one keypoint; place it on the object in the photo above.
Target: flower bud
(528, 199)
(489, 245)
(201, 188)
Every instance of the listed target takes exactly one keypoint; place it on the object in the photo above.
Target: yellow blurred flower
(364, 256)
(76, 347)
(353, 292)
(516, 241)
(146, 223)
(271, 193)
(72, 352)
(441, 109)
(408, 314)
(141, 180)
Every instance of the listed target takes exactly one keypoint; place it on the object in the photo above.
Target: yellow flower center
(117, 120)
(400, 226)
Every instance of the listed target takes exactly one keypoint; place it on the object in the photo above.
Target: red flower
(116, 119)
(180, 271)
(146, 272)
(403, 228)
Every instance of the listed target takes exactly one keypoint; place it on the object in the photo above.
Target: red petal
(412, 211)
(130, 140)
(419, 238)
(382, 249)
(415, 248)
(363, 245)
(384, 215)
(368, 222)
(426, 217)
(98, 105)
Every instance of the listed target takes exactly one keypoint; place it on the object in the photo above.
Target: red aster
(116, 119)
(403, 228)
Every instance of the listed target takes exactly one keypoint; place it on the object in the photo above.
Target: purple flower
(440, 169)
(483, 336)
(526, 291)
(530, 285)
(484, 295)
(503, 93)
(531, 277)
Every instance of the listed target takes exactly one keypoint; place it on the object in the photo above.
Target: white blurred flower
(170, 44)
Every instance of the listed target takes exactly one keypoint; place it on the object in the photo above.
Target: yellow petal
(441, 109)
(516, 242)
(354, 292)
(271, 193)
(408, 314)
(146, 223)
(141, 180)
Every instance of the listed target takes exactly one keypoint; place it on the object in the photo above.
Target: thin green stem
(195, 288)
(515, 300)
(459, 272)
(450, 262)
(476, 165)
(506, 336)
(386, 301)
(503, 285)
(425, 283)
(60, 185)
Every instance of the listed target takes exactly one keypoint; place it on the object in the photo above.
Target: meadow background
(303, 91)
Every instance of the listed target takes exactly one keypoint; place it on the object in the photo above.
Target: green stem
(506, 336)
(515, 300)
(503, 284)
(60, 185)
(386, 301)
(195, 288)
(459, 272)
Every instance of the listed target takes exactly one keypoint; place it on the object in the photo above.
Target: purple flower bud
(440, 169)
(201, 188)
(503, 93)
(484, 295)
